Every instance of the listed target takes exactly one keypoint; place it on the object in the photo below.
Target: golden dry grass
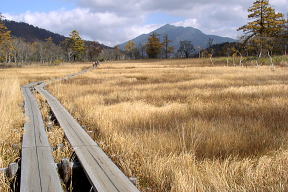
(180, 127)
(175, 125)
(11, 109)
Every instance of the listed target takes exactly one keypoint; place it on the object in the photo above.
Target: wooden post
(133, 180)
(11, 170)
(65, 170)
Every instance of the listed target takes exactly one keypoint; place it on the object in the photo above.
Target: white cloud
(105, 27)
(215, 19)
(188, 23)
(219, 17)
(115, 21)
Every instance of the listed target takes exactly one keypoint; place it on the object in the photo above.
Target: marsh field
(175, 125)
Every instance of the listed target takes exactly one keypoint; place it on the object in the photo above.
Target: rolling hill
(32, 33)
(177, 34)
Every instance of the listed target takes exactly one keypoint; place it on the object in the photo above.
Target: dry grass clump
(10, 130)
(11, 108)
(181, 127)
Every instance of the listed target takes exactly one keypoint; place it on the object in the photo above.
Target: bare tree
(166, 46)
(186, 49)
(210, 49)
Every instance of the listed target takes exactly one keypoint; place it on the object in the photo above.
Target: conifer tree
(265, 21)
(78, 45)
(4, 33)
(6, 46)
(153, 46)
(265, 27)
(130, 48)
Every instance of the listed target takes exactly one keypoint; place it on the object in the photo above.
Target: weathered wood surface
(38, 169)
(103, 174)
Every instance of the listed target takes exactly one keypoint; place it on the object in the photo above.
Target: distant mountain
(177, 34)
(31, 33)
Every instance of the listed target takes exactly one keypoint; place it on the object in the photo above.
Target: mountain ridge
(31, 33)
(180, 33)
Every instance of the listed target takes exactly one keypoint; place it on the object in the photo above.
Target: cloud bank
(114, 21)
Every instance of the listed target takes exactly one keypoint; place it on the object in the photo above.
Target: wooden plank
(104, 175)
(38, 169)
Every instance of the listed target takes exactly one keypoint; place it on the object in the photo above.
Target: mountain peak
(164, 29)
(168, 26)
(180, 33)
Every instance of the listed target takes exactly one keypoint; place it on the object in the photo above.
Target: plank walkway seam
(38, 170)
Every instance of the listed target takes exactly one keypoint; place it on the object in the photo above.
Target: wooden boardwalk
(38, 169)
(103, 174)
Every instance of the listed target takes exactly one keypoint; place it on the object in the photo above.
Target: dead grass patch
(181, 127)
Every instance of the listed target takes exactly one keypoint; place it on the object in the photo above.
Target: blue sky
(161, 18)
(21, 6)
(115, 21)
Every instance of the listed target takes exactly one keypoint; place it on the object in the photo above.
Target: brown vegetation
(174, 125)
(180, 127)
(11, 122)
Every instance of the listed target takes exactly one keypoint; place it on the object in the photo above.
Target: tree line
(265, 35)
(19, 51)
(155, 48)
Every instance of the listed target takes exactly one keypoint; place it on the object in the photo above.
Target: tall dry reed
(179, 126)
